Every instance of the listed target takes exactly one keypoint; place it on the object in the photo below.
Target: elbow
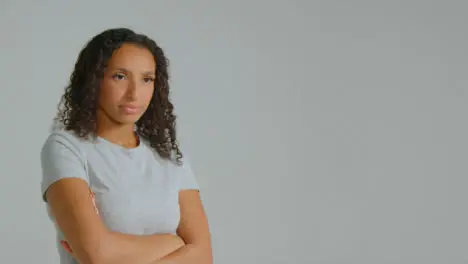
(206, 256)
(104, 255)
(92, 257)
(203, 253)
(98, 258)
(99, 252)
(90, 261)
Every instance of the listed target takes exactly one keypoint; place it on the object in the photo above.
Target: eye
(118, 76)
(148, 80)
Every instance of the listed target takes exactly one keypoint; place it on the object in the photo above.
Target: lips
(129, 109)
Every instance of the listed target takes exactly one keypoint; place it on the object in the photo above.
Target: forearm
(121, 248)
(188, 254)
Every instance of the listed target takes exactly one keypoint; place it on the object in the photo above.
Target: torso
(134, 189)
(136, 192)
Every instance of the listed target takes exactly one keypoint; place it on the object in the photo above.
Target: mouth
(129, 109)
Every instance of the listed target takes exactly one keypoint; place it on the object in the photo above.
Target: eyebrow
(126, 71)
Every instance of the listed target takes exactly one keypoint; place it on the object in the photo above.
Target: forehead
(133, 58)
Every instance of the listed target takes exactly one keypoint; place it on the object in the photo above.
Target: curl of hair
(77, 110)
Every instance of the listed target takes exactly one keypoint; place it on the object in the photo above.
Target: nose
(132, 90)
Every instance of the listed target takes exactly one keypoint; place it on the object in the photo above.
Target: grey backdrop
(320, 131)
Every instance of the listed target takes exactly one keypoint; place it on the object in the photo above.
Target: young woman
(116, 184)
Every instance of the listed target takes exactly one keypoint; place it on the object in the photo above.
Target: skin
(126, 91)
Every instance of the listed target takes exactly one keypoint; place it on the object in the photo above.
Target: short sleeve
(61, 158)
(187, 180)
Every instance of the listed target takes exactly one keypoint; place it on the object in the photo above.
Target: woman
(115, 181)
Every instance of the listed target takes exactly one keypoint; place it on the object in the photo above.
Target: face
(128, 84)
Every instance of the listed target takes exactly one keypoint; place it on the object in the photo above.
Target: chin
(128, 120)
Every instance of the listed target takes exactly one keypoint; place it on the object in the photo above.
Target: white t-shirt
(136, 191)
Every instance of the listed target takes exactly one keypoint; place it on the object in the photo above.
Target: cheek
(109, 95)
(147, 95)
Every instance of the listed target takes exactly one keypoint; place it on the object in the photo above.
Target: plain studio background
(320, 131)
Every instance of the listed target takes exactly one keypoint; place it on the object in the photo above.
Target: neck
(121, 134)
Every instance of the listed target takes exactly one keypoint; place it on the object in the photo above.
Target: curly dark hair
(77, 110)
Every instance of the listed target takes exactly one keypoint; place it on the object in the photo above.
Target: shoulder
(62, 157)
(62, 136)
(63, 139)
(185, 174)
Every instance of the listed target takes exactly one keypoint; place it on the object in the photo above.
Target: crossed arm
(193, 229)
(93, 243)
